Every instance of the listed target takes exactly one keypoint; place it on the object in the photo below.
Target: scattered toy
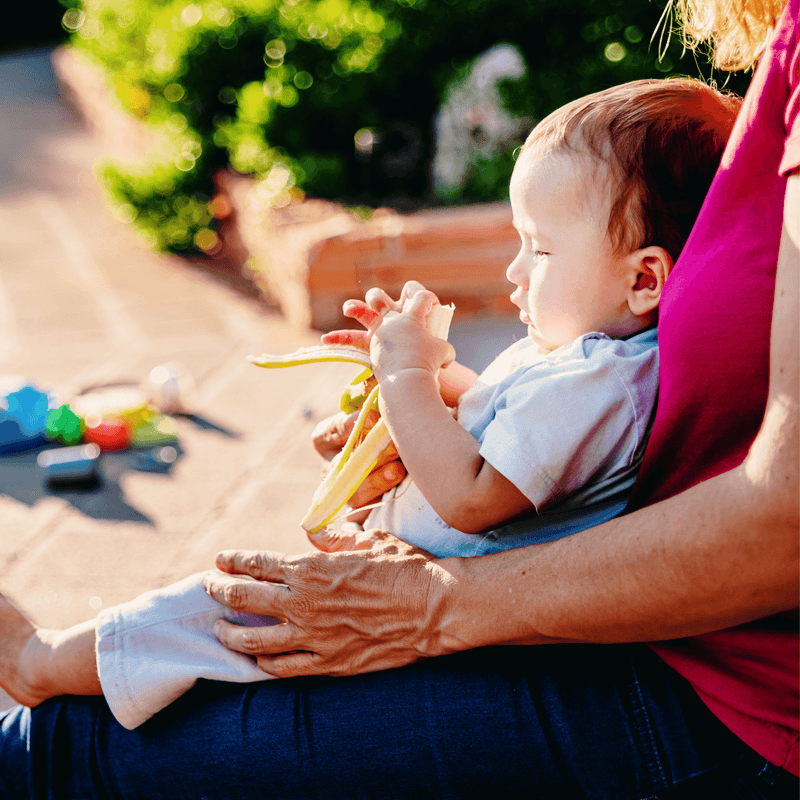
(70, 465)
(124, 400)
(158, 430)
(171, 388)
(108, 417)
(157, 459)
(108, 433)
(23, 414)
(64, 425)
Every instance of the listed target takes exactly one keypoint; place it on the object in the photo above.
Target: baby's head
(604, 195)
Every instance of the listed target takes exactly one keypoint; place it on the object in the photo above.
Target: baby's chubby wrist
(406, 392)
(403, 380)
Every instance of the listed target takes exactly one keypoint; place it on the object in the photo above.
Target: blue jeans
(559, 721)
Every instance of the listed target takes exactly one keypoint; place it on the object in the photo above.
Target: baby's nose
(515, 272)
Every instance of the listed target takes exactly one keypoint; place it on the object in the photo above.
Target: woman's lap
(551, 722)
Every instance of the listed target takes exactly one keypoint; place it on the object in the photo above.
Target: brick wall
(460, 253)
(311, 257)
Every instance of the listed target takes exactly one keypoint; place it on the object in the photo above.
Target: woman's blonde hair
(737, 30)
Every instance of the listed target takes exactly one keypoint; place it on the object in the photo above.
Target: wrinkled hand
(344, 612)
(329, 438)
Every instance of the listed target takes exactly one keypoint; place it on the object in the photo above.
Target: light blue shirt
(568, 429)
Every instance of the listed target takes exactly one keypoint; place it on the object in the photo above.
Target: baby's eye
(539, 254)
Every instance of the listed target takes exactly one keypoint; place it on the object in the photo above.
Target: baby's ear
(650, 268)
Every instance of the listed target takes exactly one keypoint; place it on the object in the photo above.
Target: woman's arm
(722, 553)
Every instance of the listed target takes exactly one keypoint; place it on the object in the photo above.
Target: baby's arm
(441, 456)
(36, 663)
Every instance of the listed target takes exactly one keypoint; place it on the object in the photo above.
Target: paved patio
(83, 302)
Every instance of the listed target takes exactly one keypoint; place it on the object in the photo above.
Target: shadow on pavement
(22, 479)
(208, 425)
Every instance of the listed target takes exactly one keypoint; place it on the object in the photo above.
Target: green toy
(63, 425)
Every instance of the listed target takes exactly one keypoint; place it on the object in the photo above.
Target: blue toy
(23, 420)
(69, 465)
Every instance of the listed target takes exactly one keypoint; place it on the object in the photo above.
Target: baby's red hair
(661, 141)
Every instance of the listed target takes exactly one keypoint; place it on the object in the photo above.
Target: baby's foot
(22, 647)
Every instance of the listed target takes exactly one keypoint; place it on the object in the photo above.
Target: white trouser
(153, 649)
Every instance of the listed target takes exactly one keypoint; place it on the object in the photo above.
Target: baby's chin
(537, 337)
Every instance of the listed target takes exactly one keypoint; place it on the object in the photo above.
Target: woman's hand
(345, 612)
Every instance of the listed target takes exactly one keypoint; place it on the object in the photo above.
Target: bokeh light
(615, 52)
(206, 239)
(73, 19)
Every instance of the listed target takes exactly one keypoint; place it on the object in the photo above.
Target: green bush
(279, 89)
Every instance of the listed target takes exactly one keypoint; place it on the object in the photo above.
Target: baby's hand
(377, 303)
(370, 312)
(402, 342)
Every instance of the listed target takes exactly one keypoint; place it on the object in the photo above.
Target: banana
(361, 452)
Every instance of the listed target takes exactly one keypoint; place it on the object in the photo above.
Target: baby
(546, 442)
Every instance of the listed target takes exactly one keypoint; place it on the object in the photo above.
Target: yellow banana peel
(361, 451)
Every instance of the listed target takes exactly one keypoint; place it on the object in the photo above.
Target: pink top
(714, 334)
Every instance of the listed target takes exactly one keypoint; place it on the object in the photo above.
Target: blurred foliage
(283, 89)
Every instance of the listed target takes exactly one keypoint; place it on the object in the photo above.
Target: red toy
(108, 433)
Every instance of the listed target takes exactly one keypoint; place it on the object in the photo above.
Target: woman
(712, 546)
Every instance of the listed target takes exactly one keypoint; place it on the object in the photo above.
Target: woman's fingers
(288, 665)
(377, 483)
(262, 565)
(257, 641)
(330, 434)
(348, 537)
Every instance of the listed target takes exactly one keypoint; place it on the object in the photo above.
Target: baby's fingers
(418, 307)
(351, 337)
(410, 289)
(380, 302)
(362, 313)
